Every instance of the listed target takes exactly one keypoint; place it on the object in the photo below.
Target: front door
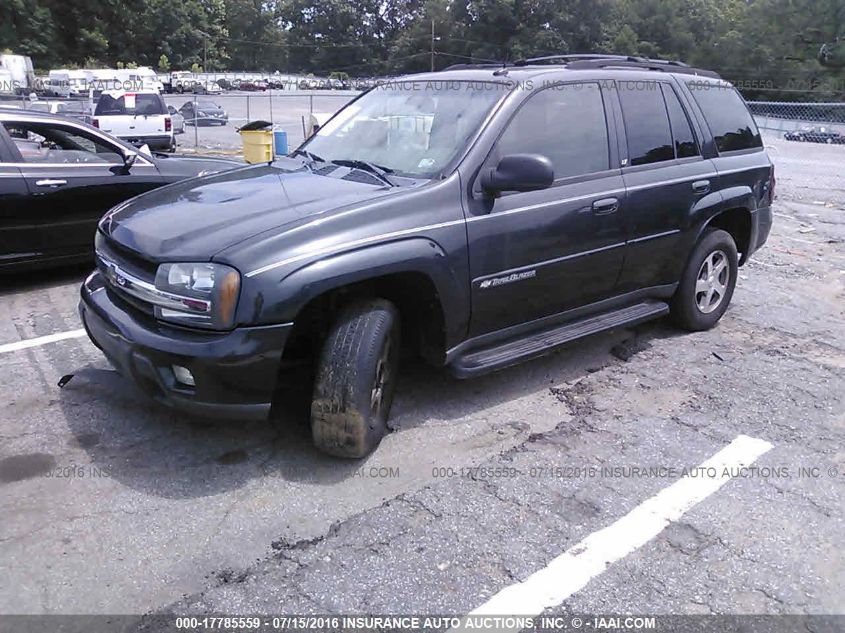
(73, 177)
(535, 254)
(18, 235)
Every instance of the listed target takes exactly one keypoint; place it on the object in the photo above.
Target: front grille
(128, 259)
(128, 302)
(130, 263)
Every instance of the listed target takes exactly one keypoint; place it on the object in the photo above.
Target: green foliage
(757, 43)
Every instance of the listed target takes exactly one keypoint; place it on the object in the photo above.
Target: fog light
(184, 375)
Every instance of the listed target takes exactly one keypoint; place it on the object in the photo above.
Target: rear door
(665, 177)
(73, 177)
(18, 234)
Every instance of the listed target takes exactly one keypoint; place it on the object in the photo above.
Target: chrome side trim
(147, 292)
(542, 205)
(673, 181)
(655, 236)
(548, 262)
(476, 218)
(346, 245)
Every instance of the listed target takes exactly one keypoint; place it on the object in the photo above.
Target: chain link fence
(784, 125)
(808, 122)
(290, 111)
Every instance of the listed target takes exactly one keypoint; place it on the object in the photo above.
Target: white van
(142, 78)
(7, 82)
(79, 81)
(20, 67)
(138, 116)
(58, 84)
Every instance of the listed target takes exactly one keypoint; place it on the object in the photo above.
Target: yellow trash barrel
(258, 145)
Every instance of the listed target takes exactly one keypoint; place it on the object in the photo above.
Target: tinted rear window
(143, 104)
(646, 122)
(685, 145)
(727, 116)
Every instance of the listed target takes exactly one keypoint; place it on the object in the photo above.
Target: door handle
(701, 186)
(50, 183)
(605, 206)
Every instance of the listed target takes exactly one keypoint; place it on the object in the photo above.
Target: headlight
(206, 293)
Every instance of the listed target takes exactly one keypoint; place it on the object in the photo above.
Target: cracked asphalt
(110, 505)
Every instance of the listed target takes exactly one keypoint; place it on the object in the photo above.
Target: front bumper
(208, 120)
(235, 372)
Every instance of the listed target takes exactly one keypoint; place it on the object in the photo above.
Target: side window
(646, 122)
(565, 123)
(729, 120)
(50, 144)
(685, 145)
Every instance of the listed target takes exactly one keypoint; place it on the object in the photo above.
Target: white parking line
(573, 569)
(41, 340)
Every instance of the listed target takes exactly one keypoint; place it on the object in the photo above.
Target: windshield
(413, 128)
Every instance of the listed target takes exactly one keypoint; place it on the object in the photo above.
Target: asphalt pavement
(485, 491)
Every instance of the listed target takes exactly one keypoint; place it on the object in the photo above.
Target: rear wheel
(707, 283)
(356, 379)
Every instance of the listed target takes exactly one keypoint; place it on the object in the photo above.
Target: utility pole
(432, 44)
(205, 37)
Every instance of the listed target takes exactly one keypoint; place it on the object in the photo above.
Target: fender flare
(283, 302)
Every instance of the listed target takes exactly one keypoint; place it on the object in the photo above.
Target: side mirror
(519, 172)
(128, 161)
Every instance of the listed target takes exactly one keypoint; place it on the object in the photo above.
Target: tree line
(764, 45)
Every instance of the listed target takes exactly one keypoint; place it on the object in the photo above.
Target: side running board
(511, 352)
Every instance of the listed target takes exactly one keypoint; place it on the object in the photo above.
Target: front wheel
(356, 379)
(707, 283)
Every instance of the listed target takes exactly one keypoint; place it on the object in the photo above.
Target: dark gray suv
(478, 216)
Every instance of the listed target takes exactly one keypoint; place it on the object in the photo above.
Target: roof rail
(479, 65)
(566, 58)
(643, 64)
(583, 61)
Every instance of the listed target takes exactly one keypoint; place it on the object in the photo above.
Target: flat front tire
(356, 379)
(707, 283)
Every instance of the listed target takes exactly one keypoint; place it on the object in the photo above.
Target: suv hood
(197, 218)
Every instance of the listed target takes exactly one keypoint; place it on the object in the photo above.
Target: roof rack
(567, 58)
(479, 65)
(584, 61)
(643, 64)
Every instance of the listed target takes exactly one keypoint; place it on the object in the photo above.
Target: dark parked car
(816, 135)
(481, 216)
(249, 85)
(203, 113)
(58, 176)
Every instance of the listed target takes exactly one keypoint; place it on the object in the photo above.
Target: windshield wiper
(378, 170)
(311, 157)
